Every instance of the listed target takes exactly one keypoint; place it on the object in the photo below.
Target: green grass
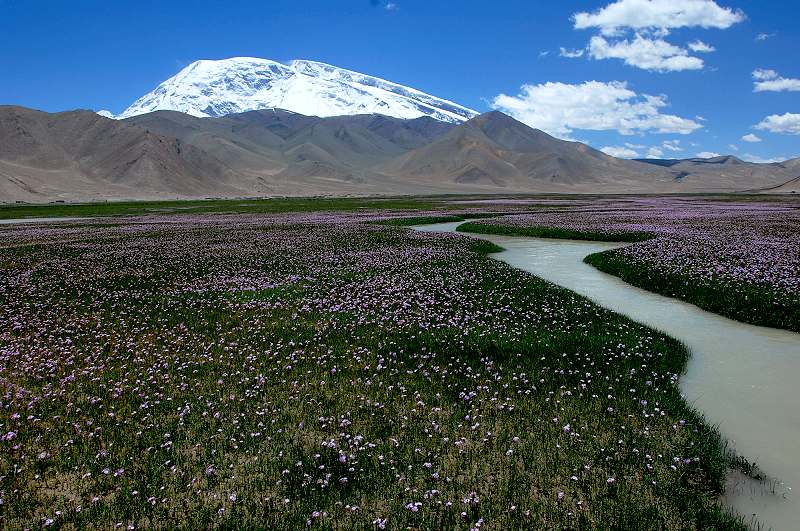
(211, 365)
(748, 303)
(421, 220)
(553, 232)
(290, 204)
(254, 206)
(443, 218)
(483, 247)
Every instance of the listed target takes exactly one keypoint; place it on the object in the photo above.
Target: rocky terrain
(81, 155)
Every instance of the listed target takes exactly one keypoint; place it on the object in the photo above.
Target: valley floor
(310, 363)
(736, 258)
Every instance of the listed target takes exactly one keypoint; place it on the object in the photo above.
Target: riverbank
(295, 370)
(739, 260)
(741, 377)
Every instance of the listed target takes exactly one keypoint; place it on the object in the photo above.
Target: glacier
(210, 88)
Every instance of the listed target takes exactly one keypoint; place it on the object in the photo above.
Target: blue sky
(656, 89)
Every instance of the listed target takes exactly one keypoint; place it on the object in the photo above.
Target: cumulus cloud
(788, 123)
(650, 21)
(701, 47)
(388, 6)
(572, 54)
(645, 53)
(751, 138)
(672, 145)
(620, 152)
(559, 108)
(763, 74)
(761, 160)
(658, 14)
(632, 151)
(770, 81)
(707, 155)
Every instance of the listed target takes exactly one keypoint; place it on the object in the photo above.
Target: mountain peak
(210, 88)
(496, 120)
(719, 159)
(495, 115)
(509, 133)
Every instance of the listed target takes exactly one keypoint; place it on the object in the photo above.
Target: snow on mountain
(216, 88)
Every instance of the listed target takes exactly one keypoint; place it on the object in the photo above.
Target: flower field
(325, 371)
(739, 259)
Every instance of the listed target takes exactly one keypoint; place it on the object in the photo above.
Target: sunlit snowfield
(324, 370)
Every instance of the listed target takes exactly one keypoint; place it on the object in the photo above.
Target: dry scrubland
(324, 370)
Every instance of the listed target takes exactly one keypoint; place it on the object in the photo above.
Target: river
(743, 378)
(17, 221)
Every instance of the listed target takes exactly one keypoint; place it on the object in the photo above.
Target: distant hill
(730, 173)
(668, 163)
(791, 186)
(80, 155)
(494, 151)
(292, 154)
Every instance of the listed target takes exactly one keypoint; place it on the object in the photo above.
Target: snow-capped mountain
(238, 84)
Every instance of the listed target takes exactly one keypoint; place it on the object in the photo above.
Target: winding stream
(744, 378)
(16, 221)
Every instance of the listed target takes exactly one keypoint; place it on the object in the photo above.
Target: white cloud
(771, 81)
(701, 47)
(632, 151)
(620, 152)
(645, 53)
(391, 6)
(763, 74)
(733, 147)
(658, 14)
(761, 160)
(750, 137)
(764, 36)
(558, 108)
(707, 155)
(650, 21)
(572, 54)
(544, 53)
(788, 123)
(672, 145)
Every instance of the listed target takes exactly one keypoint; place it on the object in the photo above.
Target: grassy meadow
(735, 258)
(328, 370)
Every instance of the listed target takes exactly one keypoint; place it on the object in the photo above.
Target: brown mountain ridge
(81, 156)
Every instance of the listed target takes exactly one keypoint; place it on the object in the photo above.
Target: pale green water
(744, 378)
(17, 221)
